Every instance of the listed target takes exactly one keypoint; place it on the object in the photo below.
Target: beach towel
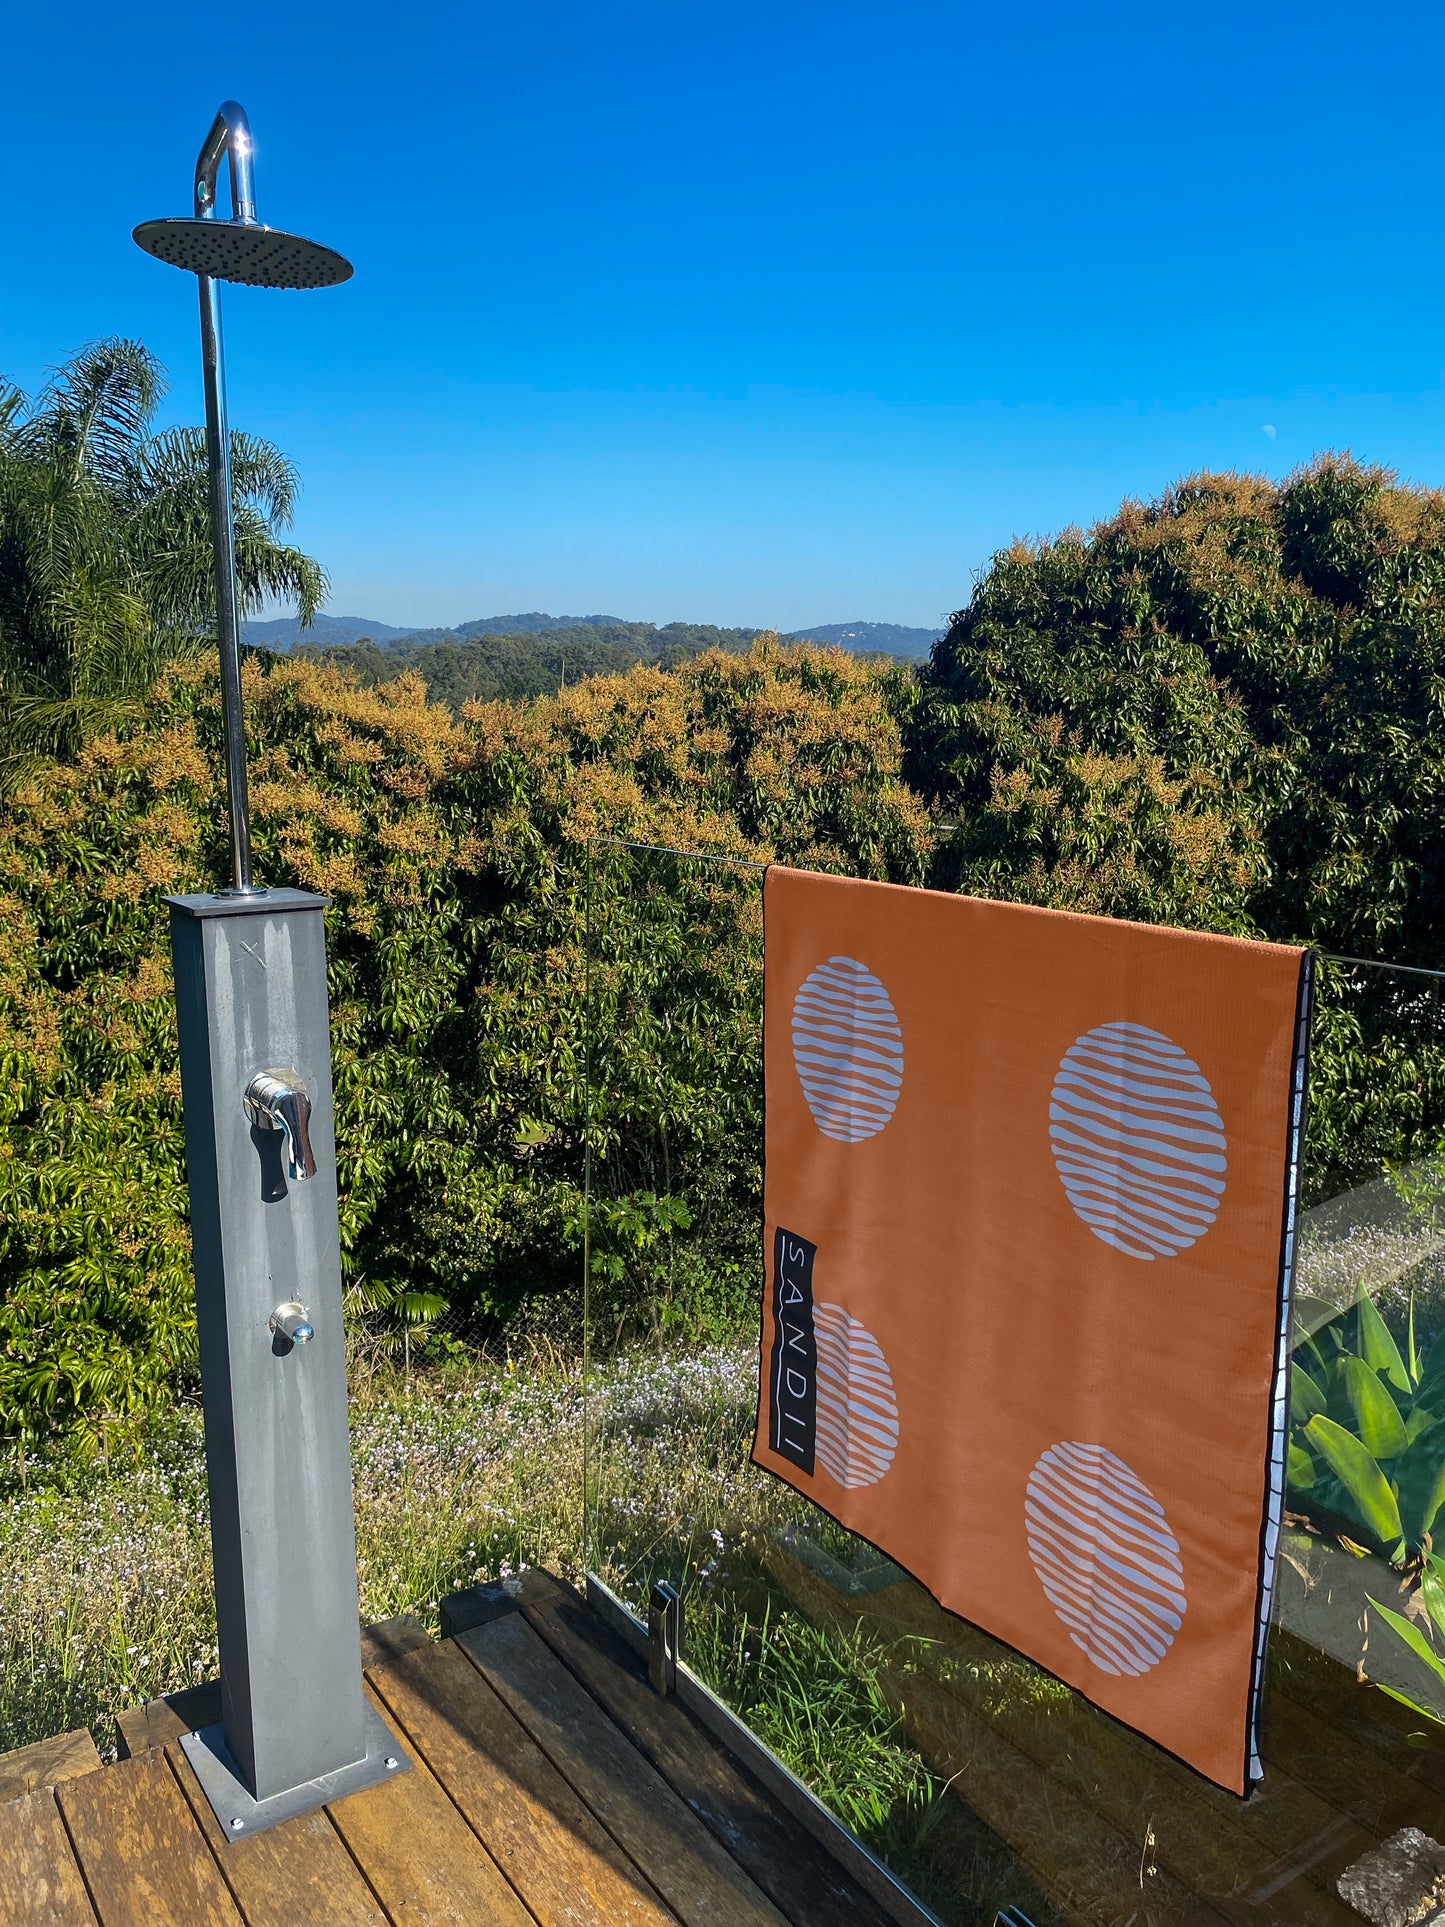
(1029, 1215)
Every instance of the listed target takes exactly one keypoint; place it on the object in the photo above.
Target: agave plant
(1367, 1438)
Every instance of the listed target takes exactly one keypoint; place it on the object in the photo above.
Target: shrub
(455, 855)
(1223, 707)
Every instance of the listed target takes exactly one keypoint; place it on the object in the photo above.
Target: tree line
(492, 667)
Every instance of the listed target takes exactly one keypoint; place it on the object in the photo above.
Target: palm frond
(174, 465)
(97, 407)
(170, 528)
(106, 564)
(12, 407)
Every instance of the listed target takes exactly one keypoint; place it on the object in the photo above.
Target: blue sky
(778, 313)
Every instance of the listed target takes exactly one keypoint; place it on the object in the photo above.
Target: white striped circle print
(857, 1414)
(1138, 1140)
(1105, 1556)
(848, 1050)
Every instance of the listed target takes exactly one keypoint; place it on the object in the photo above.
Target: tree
(105, 547)
(1222, 708)
(1226, 709)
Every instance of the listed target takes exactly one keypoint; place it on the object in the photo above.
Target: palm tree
(105, 547)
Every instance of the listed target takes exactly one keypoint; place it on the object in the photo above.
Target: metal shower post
(250, 972)
(230, 134)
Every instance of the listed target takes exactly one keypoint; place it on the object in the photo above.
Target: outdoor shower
(254, 1032)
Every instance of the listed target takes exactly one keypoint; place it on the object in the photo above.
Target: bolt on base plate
(241, 1814)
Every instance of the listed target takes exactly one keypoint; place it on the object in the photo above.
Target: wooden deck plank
(420, 1857)
(803, 1881)
(145, 1860)
(158, 1723)
(296, 1875)
(40, 1884)
(390, 1638)
(700, 1881)
(475, 1605)
(47, 1763)
(526, 1807)
(563, 1863)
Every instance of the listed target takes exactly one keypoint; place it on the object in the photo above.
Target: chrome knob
(293, 1321)
(277, 1101)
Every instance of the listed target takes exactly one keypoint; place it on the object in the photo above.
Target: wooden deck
(551, 1785)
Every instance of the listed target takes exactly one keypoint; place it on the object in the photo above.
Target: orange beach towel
(1029, 1208)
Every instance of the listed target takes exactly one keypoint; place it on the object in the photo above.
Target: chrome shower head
(239, 249)
(261, 257)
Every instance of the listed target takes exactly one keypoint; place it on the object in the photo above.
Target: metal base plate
(241, 1814)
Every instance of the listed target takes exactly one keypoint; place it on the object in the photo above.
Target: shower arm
(230, 135)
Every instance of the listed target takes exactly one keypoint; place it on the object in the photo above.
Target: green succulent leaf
(1373, 1408)
(1419, 1476)
(1377, 1348)
(1430, 1391)
(1305, 1396)
(1301, 1469)
(1419, 1740)
(1365, 1486)
(1320, 1322)
(1418, 1645)
(1433, 1594)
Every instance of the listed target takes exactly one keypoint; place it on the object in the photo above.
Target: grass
(816, 1697)
(472, 1470)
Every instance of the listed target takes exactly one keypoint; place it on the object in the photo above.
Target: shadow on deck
(551, 1785)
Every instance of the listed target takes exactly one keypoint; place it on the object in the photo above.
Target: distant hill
(881, 638)
(333, 632)
(329, 632)
(325, 632)
(535, 625)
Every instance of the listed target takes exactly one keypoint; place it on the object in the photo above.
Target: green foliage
(105, 548)
(620, 1228)
(455, 852)
(1367, 1439)
(1269, 662)
(1377, 1077)
(1432, 1597)
(817, 1697)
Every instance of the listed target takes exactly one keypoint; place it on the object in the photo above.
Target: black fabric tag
(792, 1421)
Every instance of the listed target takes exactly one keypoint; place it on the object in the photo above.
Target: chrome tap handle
(292, 1321)
(277, 1101)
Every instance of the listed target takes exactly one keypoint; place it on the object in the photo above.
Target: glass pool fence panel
(980, 1780)
(674, 1106)
(1357, 1595)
